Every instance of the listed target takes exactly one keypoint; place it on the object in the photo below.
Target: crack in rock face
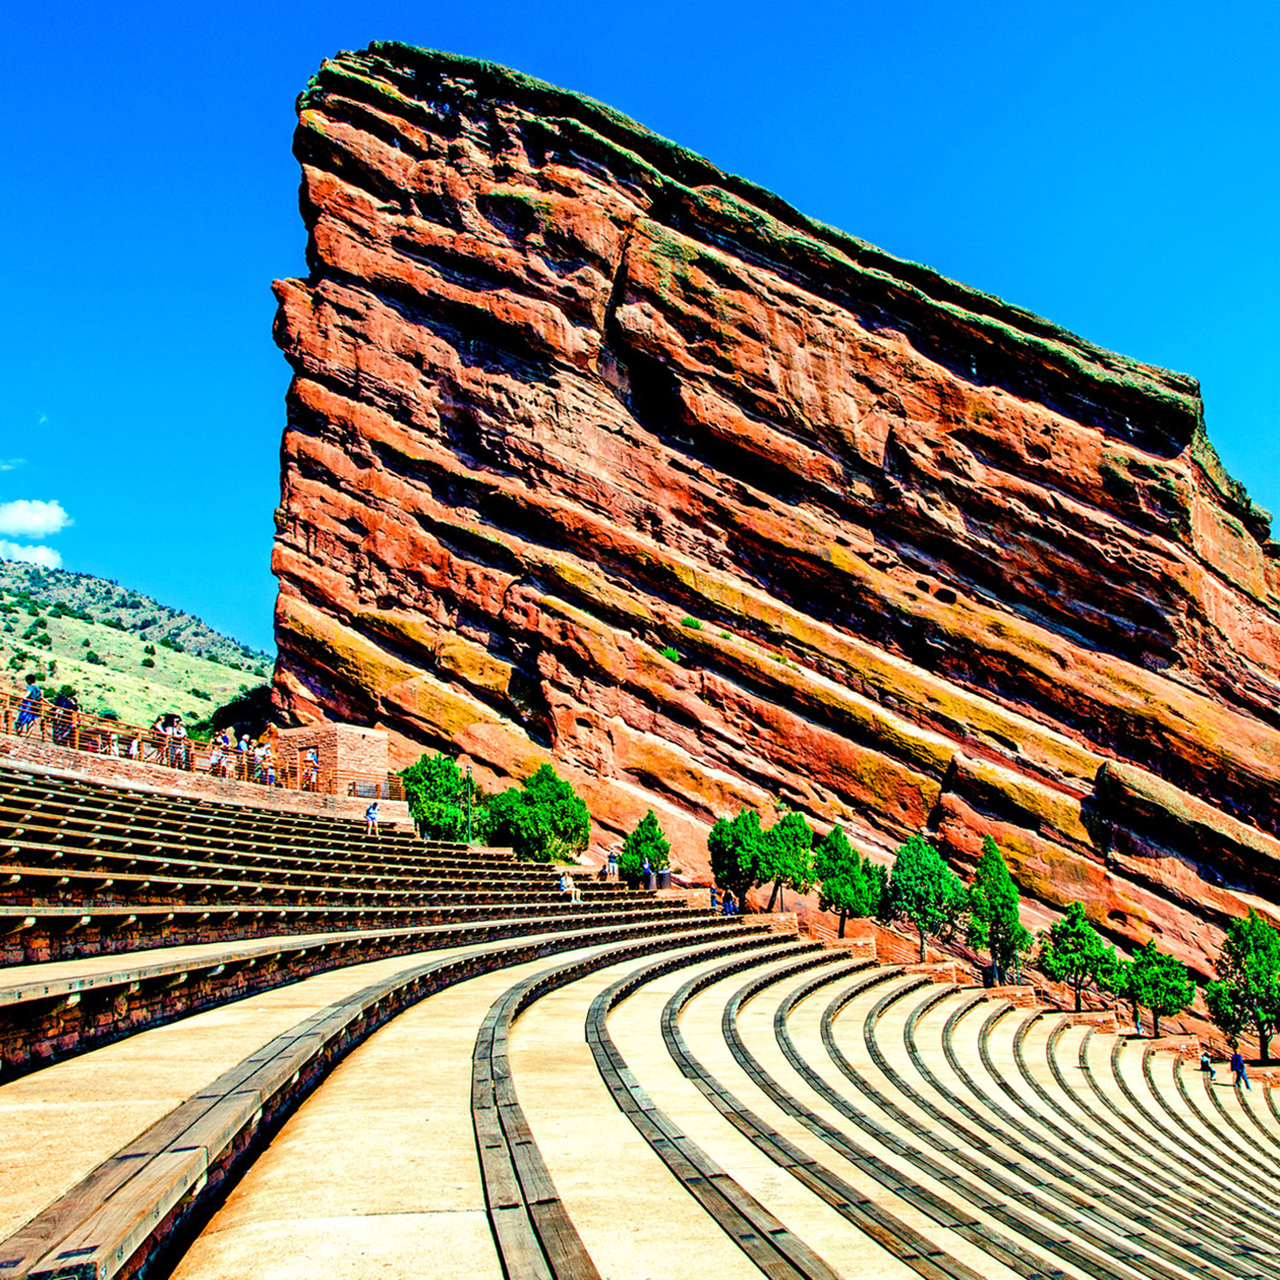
(599, 455)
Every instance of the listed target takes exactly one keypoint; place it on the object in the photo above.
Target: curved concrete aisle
(376, 1174)
(635, 1218)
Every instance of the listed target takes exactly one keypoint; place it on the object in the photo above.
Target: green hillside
(122, 652)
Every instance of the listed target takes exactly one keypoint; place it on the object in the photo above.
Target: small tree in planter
(1161, 982)
(1072, 951)
(542, 821)
(787, 856)
(646, 841)
(925, 891)
(734, 846)
(849, 884)
(995, 924)
(1248, 992)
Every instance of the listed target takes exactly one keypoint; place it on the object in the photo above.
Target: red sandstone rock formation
(561, 387)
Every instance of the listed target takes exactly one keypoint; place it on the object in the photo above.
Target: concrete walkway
(635, 1218)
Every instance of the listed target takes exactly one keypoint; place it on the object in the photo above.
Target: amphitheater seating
(311, 1052)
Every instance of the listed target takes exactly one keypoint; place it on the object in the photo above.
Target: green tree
(734, 845)
(436, 790)
(1072, 951)
(1247, 992)
(850, 884)
(924, 890)
(787, 856)
(646, 841)
(1159, 981)
(543, 821)
(995, 924)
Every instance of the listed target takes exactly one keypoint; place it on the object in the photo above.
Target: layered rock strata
(598, 454)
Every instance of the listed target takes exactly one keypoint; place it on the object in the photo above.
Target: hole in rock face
(513, 215)
(467, 438)
(527, 699)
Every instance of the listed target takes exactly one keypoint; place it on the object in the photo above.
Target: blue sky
(1112, 166)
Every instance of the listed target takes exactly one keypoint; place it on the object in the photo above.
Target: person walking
(715, 898)
(730, 903)
(1206, 1064)
(613, 864)
(1237, 1070)
(371, 819)
(29, 707)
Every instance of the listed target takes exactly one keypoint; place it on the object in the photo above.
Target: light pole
(468, 804)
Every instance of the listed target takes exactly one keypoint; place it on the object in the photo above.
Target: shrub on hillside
(248, 712)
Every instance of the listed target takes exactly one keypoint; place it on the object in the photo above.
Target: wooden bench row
(1072, 1215)
(212, 848)
(1078, 1139)
(531, 1228)
(749, 1223)
(40, 932)
(48, 1013)
(888, 1228)
(137, 1208)
(20, 881)
(34, 789)
(88, 827)
(1173, 1173)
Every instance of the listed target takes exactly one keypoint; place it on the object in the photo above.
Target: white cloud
(45, 557)
(27, 518)
(8, 464)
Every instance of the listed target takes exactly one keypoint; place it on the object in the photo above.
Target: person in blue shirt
(29, 708)
(1237, 1069)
